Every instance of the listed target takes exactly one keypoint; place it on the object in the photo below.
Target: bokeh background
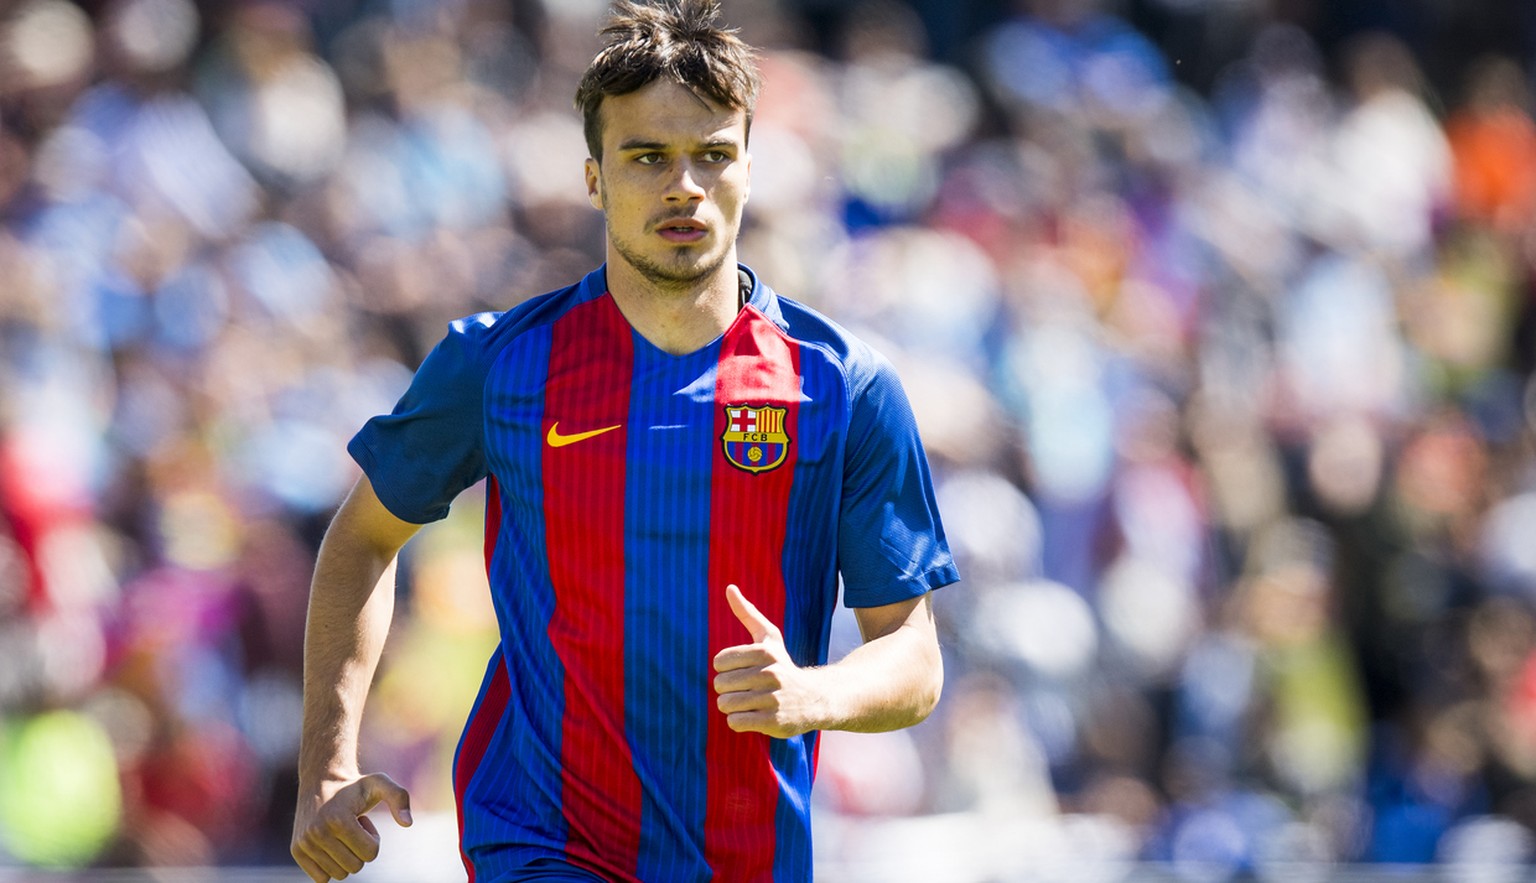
(1217, 314)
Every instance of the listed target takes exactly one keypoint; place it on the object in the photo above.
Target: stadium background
(1217, 314)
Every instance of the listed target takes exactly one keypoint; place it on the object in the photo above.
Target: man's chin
(676, 271)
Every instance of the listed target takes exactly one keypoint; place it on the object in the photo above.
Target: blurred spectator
(1493, 144)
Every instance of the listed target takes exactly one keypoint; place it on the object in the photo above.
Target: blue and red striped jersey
(626, 488)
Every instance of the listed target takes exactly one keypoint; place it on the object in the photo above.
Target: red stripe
(477, 738)
(590, 368)
(492, 519)
(483, 723)
(758, 366)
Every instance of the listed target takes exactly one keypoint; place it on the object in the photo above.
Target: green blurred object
(60, 798)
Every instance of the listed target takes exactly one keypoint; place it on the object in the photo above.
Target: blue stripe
(521, 774)
(810, 579)
(469, 816)
(810, 549)
(671, 445)
(792, 816)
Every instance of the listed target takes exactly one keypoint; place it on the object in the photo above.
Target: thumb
(379, 788)
(758, 625)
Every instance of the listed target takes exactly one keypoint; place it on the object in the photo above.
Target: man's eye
(648, 159)
(717, 156)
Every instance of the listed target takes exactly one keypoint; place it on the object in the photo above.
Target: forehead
(664, 112)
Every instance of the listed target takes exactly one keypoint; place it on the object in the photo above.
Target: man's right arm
(351, 604)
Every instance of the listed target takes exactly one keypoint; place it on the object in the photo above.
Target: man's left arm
(890, 681)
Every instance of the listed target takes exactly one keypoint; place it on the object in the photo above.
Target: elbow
(931, 688)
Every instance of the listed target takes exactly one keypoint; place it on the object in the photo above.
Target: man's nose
(684, 185)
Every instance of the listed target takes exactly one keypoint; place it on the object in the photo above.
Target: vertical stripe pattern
(486, 717)
(491, 704)
(671, 447)
(810, 555)
(809, 560)
(591, 361)
(630, 487)
(514, 796)
(758, 367)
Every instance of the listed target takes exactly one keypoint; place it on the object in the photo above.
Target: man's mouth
(682, 230)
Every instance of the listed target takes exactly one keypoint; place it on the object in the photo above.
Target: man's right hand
(332, 836)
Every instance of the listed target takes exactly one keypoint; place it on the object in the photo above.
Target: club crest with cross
(754, 437)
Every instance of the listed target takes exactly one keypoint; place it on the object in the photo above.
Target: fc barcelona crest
(754, 438)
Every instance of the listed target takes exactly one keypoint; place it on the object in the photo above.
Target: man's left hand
(760, 688)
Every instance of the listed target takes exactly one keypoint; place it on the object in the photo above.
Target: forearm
(350, 607)
(890, 682)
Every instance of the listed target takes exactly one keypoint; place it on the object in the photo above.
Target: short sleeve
(430, 448)
(891, 543)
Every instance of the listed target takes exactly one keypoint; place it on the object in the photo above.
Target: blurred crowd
(1227, 385)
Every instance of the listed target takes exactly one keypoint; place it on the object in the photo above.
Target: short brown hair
(675, 39)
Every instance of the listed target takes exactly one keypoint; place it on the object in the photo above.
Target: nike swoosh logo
(556, 440)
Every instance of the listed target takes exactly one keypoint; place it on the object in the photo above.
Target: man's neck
(676, 321)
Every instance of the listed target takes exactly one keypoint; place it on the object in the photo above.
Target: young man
(680, 463)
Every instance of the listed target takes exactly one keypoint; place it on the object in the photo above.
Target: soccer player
(680, 464)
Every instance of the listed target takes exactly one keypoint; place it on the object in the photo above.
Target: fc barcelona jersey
(627, 487)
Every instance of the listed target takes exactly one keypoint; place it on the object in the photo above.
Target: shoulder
(875, 398)
(858, 361)
(481, 337)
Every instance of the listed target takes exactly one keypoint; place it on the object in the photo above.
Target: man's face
(672, 182)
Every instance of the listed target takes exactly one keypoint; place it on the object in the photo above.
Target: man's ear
(594, 183)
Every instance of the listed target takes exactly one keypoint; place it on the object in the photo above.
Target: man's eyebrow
(637, 144)
(641, 144)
